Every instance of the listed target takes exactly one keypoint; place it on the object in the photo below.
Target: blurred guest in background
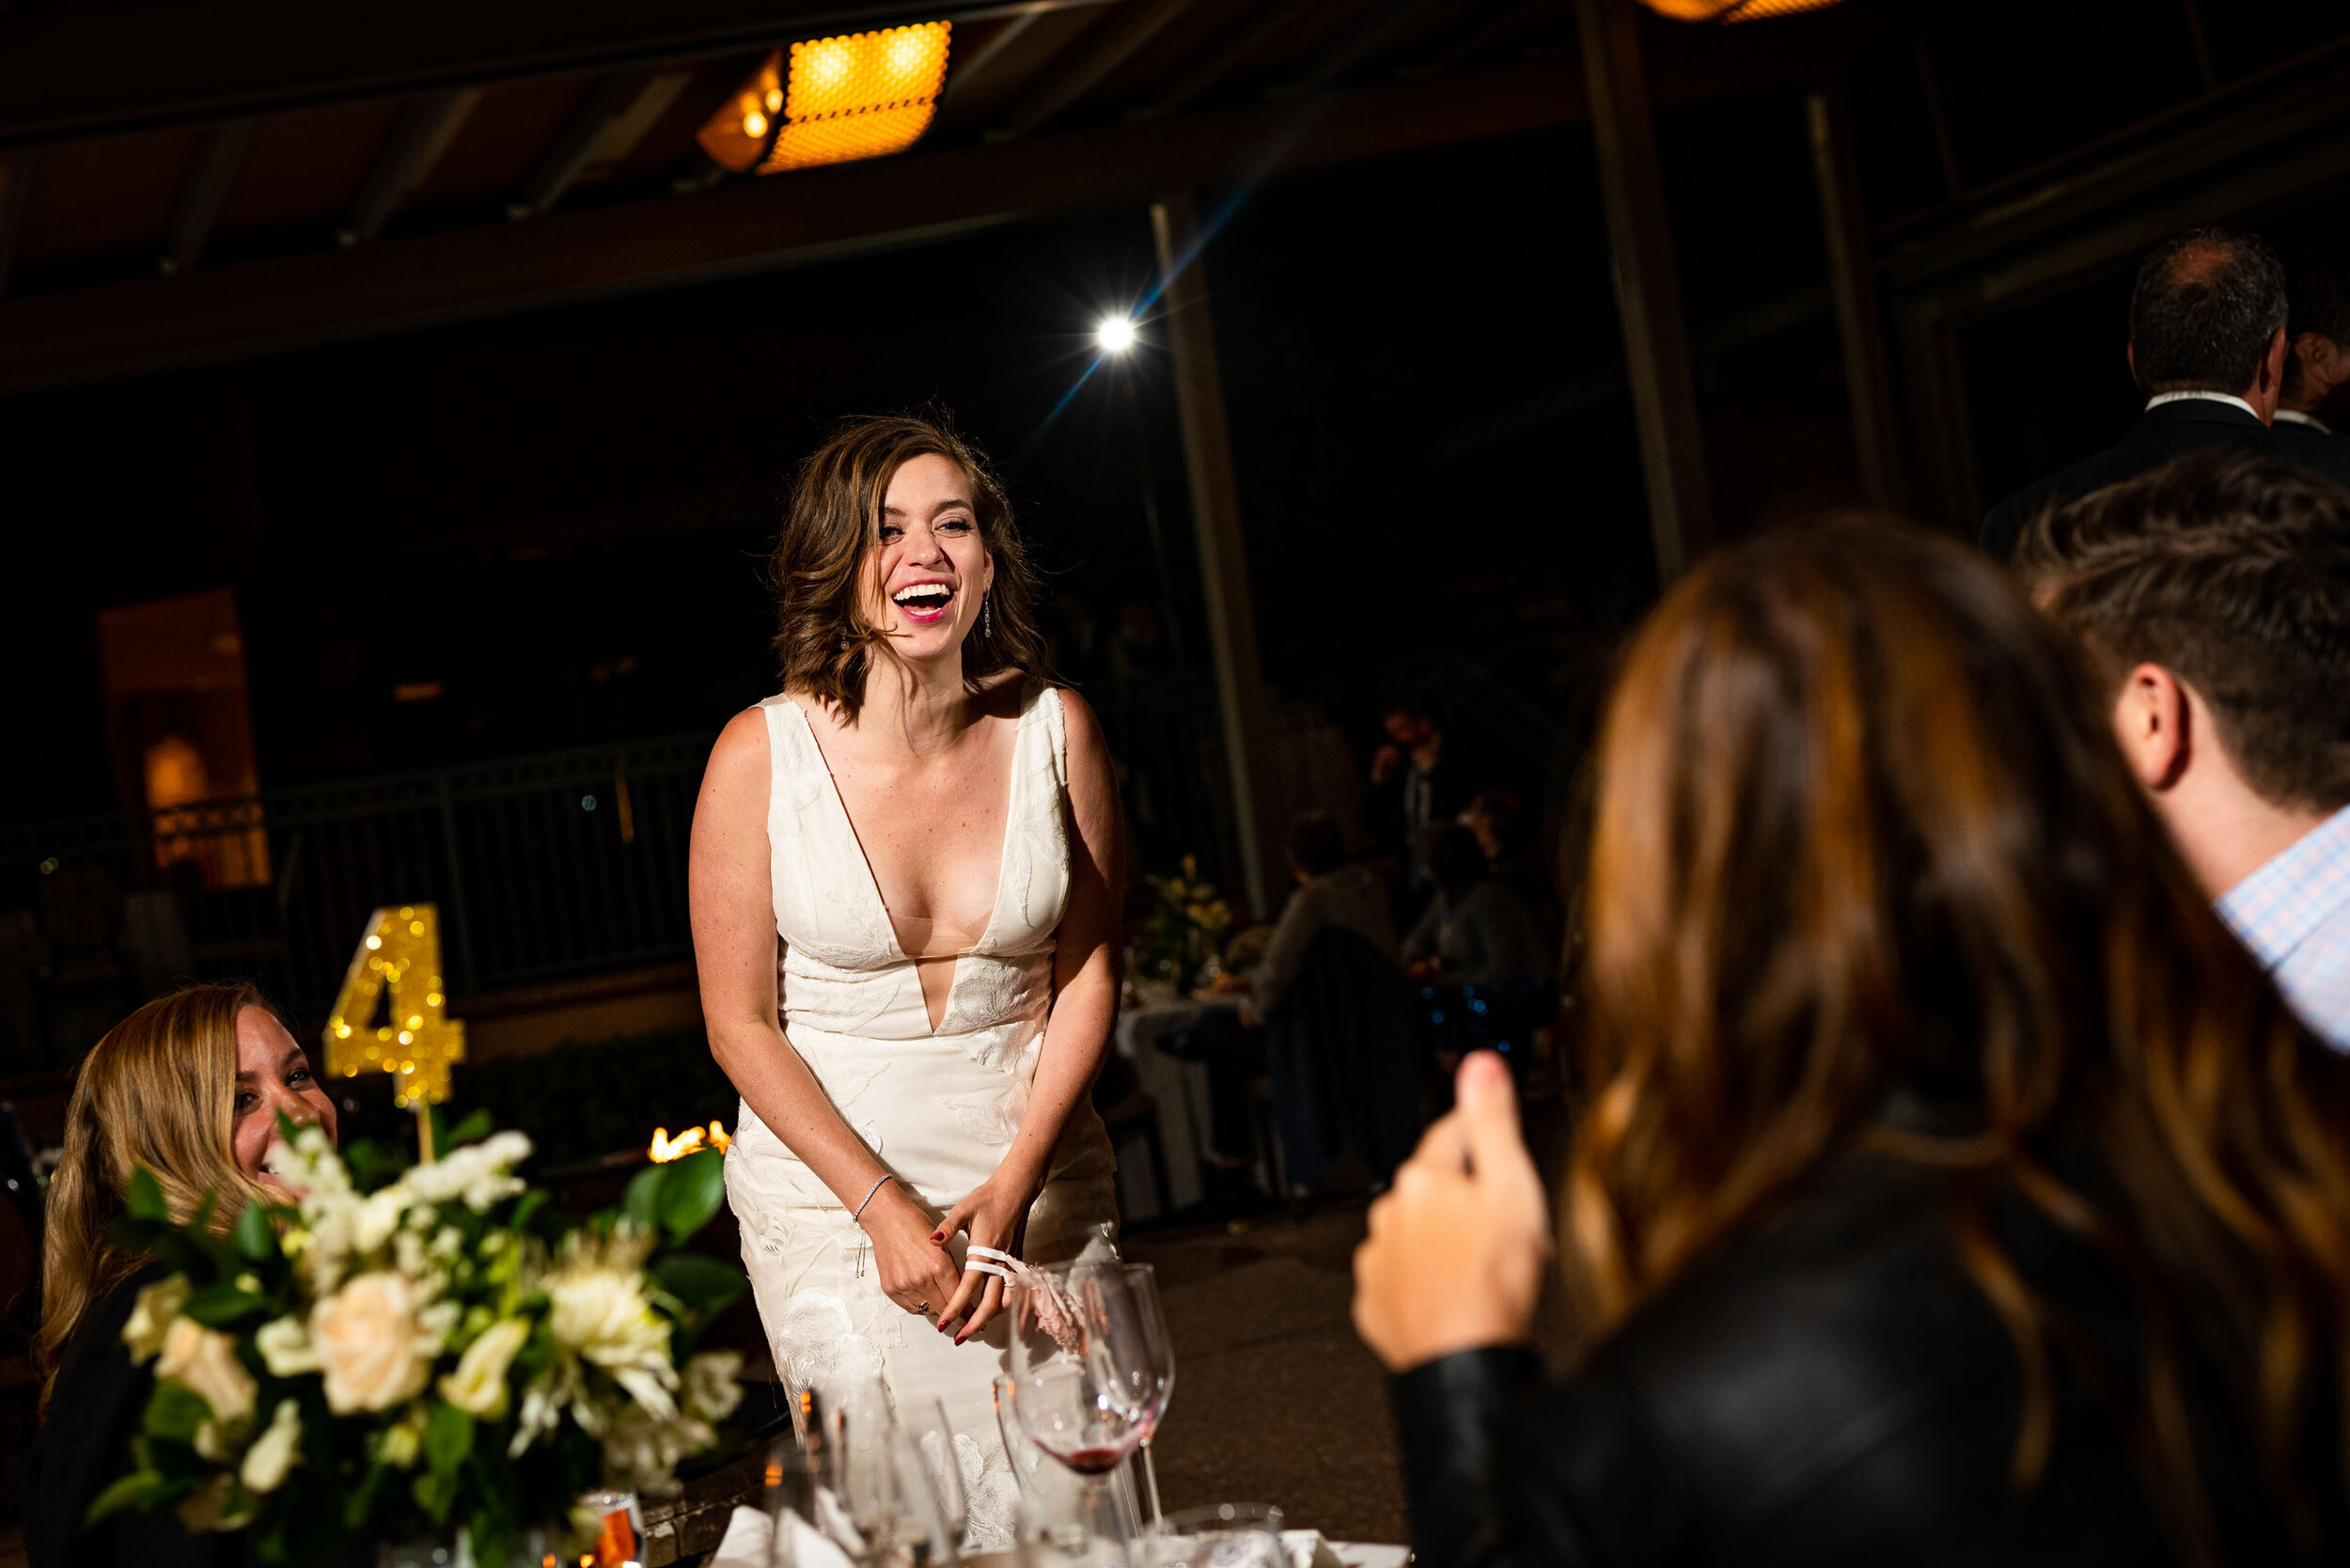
(1494, 816)
(1412, 790)
(2317, 325)
(1950, 1189)
(1475, 931)
(2207, 345)
(2212, 598)
(1332, 894)
(1329, 993)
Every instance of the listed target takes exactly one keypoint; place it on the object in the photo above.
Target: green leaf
(175, 1412)
(447, 1439)
(704, 1285)
(476, 1126)
(146, 1197)
(256, 1238)
(222, 1306)
(133, 1491)
(691, 1192)
(642, 1204)
(356, 1506)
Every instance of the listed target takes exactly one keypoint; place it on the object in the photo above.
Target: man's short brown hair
(2233, 573)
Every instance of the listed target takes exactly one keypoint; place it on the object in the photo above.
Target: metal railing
(546, 867)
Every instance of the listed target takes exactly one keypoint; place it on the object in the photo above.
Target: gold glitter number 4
(402, 952)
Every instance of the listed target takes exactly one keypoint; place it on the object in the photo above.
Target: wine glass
(886, 1496)
(1225, 1535)
(1082, 1385)
(1152, 1377)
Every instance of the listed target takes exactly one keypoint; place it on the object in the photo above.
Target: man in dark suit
(2208, 346)
(2318, 325)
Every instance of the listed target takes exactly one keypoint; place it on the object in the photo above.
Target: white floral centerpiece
(419, 1352)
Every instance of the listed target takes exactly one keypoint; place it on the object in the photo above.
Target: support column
(1648, 291)
(1853, 286)
(1215, 519)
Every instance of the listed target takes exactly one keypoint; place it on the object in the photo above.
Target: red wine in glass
(1094, 1462)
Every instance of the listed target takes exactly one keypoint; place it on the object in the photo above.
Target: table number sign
(400, 958)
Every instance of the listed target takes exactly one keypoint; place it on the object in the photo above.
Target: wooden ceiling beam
(80, 75)
(584, 253)
(567, 155)
(1368, 41)
(423, 132)
(1063, 88)
(219, 154)
(405, 283)
(1271, 21)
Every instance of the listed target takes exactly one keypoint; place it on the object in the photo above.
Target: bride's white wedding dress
(938, 1106)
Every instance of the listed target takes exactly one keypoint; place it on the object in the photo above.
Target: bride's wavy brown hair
(826, 638)
(1857, 820)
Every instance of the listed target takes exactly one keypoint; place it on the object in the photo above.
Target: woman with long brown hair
(188, 1088)
(1947, 1186)
(905, 876)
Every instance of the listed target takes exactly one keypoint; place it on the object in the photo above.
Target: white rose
(711, 1389)
(151, 1314)
(273, 1452)
(204, 1361)
(286, 1348)
(477, 1387)
(374, 1352)
(601, 1315)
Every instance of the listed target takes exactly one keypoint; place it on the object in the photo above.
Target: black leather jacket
(1829, 1387)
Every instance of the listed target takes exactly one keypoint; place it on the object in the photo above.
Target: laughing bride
(904, 880)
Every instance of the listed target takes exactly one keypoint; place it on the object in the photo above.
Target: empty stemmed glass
(882, 1499)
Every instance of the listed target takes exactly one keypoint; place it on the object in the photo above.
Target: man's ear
(2272, 364)
(2152, 722)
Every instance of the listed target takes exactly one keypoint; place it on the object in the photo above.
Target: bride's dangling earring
(987, 616)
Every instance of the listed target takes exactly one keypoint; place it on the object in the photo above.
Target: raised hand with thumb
(1458, 1247)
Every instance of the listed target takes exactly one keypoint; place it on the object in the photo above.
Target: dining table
(1178, 1092)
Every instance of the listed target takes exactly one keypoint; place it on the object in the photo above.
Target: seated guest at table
(2207, 347)
(2317, 327)
(1500, 822)
(2212, 600)
(1329, 996)
(1331, 892)
(189, 1087)
(1949, 1187)
(1476, 933)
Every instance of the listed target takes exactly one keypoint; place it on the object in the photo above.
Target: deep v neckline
(872, 882)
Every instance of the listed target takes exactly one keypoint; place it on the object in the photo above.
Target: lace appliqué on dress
(992, 1119)
(816, 1347)
(991, 1494)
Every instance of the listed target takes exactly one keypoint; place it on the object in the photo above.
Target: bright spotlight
(1116, 333)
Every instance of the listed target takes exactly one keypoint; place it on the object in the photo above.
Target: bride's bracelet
(858, 1212)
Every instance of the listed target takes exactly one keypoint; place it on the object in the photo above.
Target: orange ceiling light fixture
(828, 101)
(1732, 10)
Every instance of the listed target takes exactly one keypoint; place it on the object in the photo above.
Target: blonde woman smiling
(189, 1086)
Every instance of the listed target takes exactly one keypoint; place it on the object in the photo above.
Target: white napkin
(747, 1539)
(811, 1547)
(1305, 1549)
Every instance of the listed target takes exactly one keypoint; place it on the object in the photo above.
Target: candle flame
(663, 1148)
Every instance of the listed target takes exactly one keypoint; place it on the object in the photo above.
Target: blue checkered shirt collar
(2293, 913)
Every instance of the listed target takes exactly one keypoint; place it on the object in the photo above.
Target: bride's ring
(922, 1307)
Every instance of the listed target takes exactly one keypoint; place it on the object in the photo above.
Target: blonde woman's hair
(159, 1091)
